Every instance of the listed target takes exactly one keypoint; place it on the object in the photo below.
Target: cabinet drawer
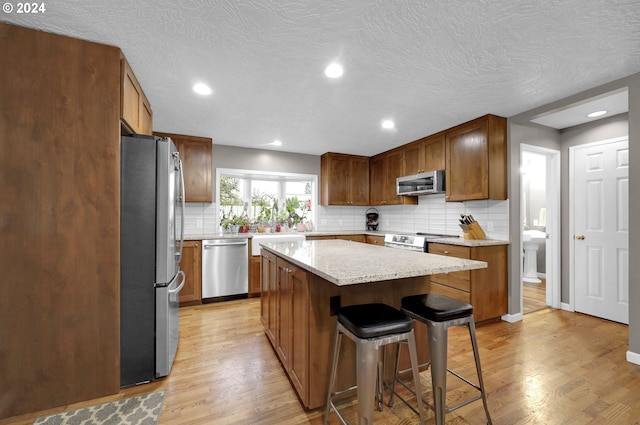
(436, 288)
(459, 280)
(451, 250)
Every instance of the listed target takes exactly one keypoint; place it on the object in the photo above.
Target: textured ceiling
(429, 65)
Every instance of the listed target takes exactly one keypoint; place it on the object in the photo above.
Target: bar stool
(439, 313)
(370, 326)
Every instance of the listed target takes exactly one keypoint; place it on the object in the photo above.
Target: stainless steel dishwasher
(225, 264)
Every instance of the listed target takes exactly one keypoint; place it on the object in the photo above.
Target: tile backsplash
(432, 214)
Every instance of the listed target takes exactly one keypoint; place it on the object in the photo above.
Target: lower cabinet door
(191, 265)
(299, 359)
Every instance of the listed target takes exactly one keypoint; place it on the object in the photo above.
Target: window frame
(280, 177)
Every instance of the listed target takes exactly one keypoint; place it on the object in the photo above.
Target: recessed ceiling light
(202, 89)
(596, 114)
(334, 70)
(276, 143)
(388, 124)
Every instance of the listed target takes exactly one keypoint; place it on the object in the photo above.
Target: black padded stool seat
(374, 320)
(435, 307)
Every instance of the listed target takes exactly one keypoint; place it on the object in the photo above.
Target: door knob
(580, 237)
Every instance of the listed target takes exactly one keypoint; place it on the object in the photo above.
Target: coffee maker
(372, 219)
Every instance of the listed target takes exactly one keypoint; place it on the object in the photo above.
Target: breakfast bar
(302, 283)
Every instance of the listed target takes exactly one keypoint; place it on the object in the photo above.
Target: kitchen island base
(298, 320)
(301, 280)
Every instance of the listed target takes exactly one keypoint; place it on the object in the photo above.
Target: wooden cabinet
(344, 179)
(299, 330)
(284, 301)
(254, 276)
(374, 240)
(254, 273)
(485, 289)
(320, 238)
(476, 160)
(426, 154)
(191, 265)
(268, 294)
(285, 317)
(197, 162)
(135, 110)
(352, 238)
(385, 168)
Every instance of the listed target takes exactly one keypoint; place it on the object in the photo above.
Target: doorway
(540, 227)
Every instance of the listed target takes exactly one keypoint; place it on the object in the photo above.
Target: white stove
(417, 242)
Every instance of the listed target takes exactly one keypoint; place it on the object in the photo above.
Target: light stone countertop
(346, 263)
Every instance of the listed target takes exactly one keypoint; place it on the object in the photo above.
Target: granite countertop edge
(367, 263)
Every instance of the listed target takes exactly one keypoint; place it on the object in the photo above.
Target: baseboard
(633, 357)
(567, 307)
(512, 318)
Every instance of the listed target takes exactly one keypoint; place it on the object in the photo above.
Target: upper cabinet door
(135, 110)
(344, 179)
(385, 168)
(197, 165)
(359, 180)
(426, 154)
(476, 160)
(434, 152)
(413, 158)
(334, 179)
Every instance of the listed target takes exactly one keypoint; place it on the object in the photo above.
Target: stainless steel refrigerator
(151, 236)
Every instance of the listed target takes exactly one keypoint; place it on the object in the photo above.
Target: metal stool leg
(438, 333)
(332, 379)
(380, 382)
(395, 375)
(476, 355)
(366, 367)
(413, 354)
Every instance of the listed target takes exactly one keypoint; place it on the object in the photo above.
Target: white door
(601, 229)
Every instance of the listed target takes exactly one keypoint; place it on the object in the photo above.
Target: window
(259, 199)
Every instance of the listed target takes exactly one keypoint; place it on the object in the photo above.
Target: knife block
(476, 231)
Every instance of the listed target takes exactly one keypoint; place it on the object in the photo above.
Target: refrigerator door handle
(182, 198)
(179, 288)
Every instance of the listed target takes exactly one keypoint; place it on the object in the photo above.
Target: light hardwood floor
(534, 296)
(552, 368)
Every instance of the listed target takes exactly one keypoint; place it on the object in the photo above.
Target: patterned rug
(140, 410)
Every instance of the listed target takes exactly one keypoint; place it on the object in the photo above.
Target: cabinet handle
(446, 252)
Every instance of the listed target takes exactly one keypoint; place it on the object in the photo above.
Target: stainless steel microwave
(421, 184)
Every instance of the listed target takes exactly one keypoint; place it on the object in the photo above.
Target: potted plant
(281, 219)
(225, 220)
(242, 222)
(297, 213)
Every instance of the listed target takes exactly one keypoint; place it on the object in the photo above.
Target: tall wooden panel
(59, 220)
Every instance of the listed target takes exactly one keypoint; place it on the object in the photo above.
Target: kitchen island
(303, 282)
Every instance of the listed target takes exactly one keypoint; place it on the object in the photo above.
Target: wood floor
(552, 368)
(534, 296)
